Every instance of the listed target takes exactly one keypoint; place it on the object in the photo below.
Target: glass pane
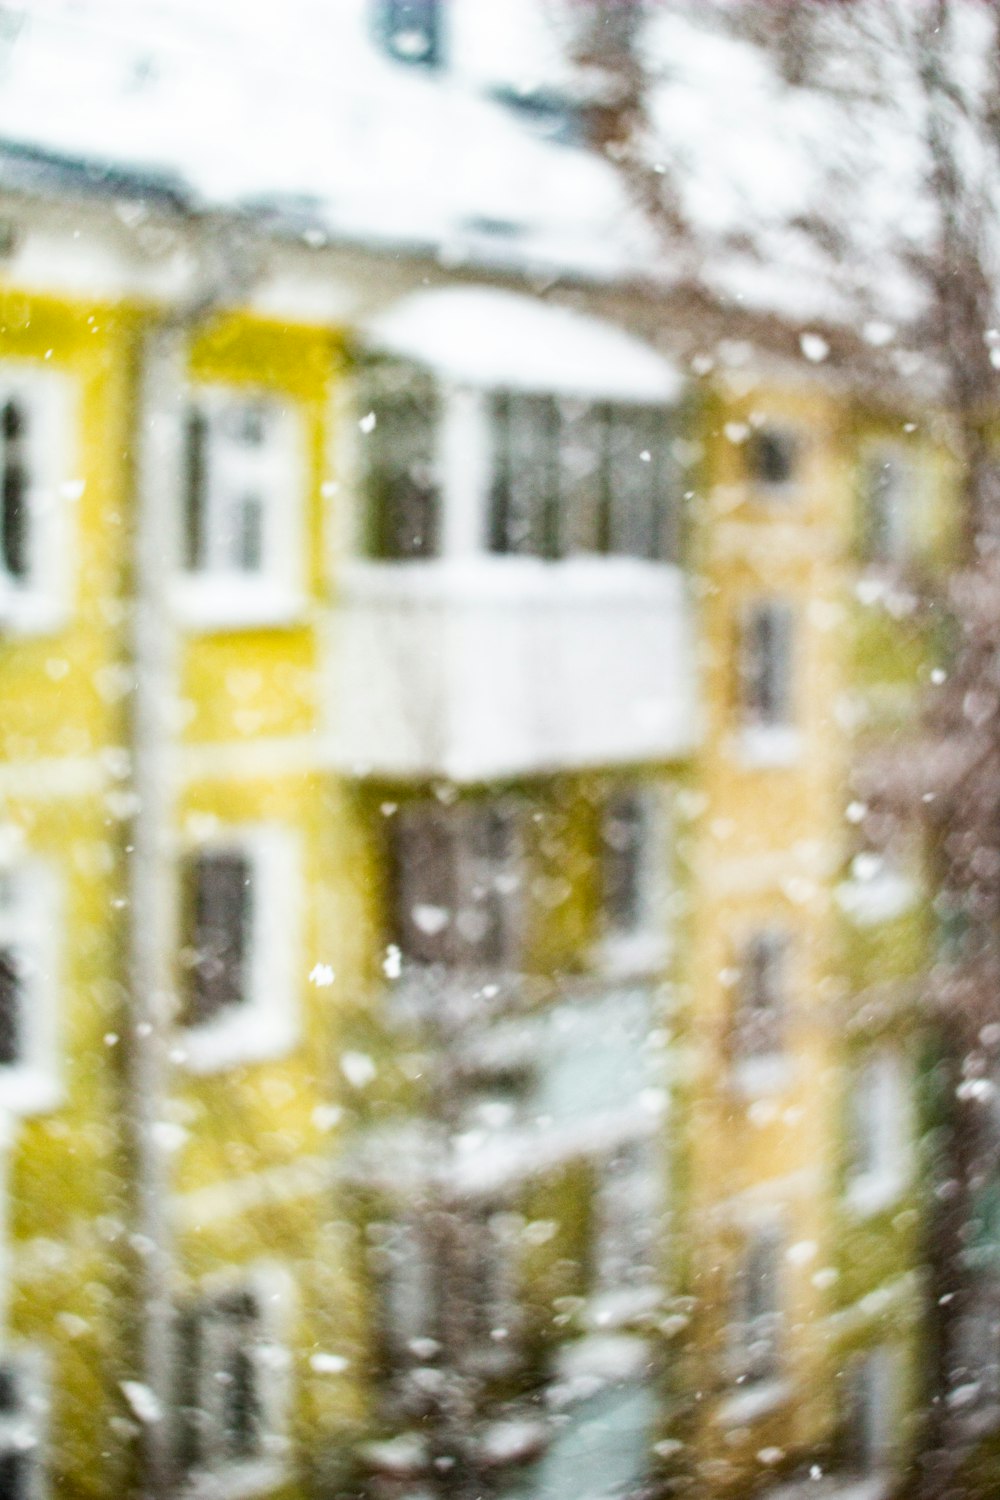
(399, 455)
(524, 500)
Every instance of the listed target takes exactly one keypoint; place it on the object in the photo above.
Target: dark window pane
(15, 1475)
(766, 664)
(249, 540)
(219, 913)
(241, 1418)
(634, 464)
(195, 488)
(583, 498)
(772, 456)
(488, 917)
(524, 509)
(624, 853)
(11, 1002)
(455, 885)
(10, 1395)
(14, 519)
(248, 425)
(411, 30)
(761, 998)
(188, 1366)
(422, 882)
(400, 458)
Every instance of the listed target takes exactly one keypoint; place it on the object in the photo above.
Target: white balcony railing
(492, 667)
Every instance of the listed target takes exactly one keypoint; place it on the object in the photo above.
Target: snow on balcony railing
(579, 1076)
(499, 667)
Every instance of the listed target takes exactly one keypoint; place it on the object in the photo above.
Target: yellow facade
(259, 1145)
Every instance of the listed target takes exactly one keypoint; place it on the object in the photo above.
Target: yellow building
(453, 1032)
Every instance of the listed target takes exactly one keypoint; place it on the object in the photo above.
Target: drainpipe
(228, 265)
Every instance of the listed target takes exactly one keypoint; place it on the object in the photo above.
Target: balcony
(484, 668)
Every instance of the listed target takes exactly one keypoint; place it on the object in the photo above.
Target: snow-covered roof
(806, 198)
(479, 336)
(297, 109)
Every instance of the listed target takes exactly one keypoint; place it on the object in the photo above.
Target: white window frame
(26, 1431)
(219, 597)
(645, 945)
(40, 603)
(889, 1131)
(266, 1024)
(273, 1290)
(31, 924)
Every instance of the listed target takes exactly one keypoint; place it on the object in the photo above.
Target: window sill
(761, 1075)
(237, 1481)
(867, 1196)
(834, 1487)
(219, 604)
(762, 747)
(248, 1036)
(753, 1402)
(618, 1308)
(31, 613)
(637, 953)
(867, 903)
(29, 1091)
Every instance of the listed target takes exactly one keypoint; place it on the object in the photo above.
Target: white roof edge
(495, 339)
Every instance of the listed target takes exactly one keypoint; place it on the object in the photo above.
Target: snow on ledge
(494, 339)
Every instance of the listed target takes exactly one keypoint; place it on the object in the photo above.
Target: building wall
(262, 1148)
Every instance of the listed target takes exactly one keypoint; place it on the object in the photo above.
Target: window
(242, 502)
(761, 998)
(773, 458)
(486, 1306)
(399, 427)
(633, 870)
(868, 1410)
(22, 1420)
(878, 1148)
(977, 1352)
(887, 485)
(524, 514)
(219, 901)
(14, 425)
(238, 911)
(233, 1376)
(627, 1210)
(411, 30)
(401, 1264)
(34, 439)
(455, 873)
(569, 478)
(28, 1080)
(765, 664)
(755, 1320)
(470, 1252)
